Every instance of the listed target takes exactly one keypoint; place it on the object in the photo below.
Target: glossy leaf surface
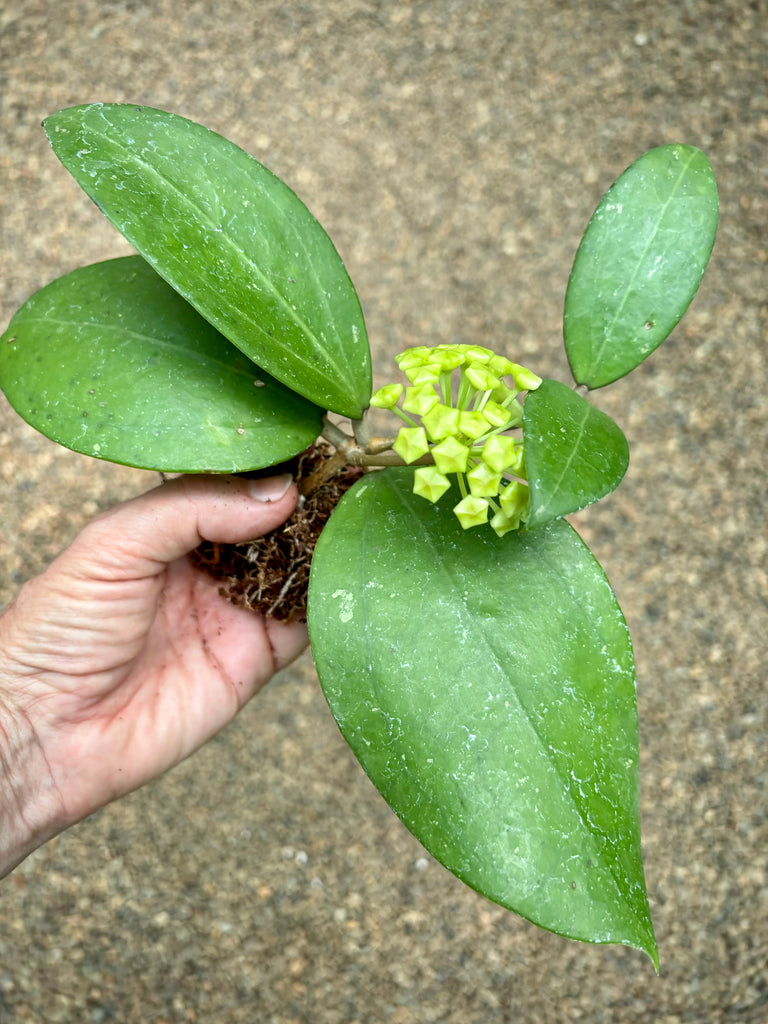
(639, 263)
(487, 687)
(575, 454)
(230, 237)
(112, 362)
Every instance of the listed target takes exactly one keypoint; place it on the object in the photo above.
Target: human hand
(121, 659)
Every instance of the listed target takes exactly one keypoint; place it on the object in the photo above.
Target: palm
(133, 663)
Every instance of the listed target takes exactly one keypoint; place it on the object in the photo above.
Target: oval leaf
(639, 263)
(487, 688)
(230, 237)
(112, 362)
(575, 454)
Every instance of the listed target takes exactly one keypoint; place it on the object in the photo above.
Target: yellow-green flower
(483, 481)
(440, 421)
(478, 354)
(481, 378)
(525, 380)
(416, 356)
(496, 414)
(411, 443)
(387, 397)
(514, 499)
(429, 373)
(451, 456)
(419, 399)
(471, 511)
(430, 483)
(473, 424)
(501, 523)
(464, 435)
(499, 452)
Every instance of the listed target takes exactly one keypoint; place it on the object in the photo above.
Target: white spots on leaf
(346, 604)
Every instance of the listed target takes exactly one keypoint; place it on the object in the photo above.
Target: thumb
(140, 537)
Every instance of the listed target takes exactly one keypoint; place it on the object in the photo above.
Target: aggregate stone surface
(454, 151)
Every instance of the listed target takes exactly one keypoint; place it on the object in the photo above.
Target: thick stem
(362, 431)
(379, 444)
(334, 434)
(361, 450)
(389, 459)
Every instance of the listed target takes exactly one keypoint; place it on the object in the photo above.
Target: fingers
(139, 537)
(287, 640)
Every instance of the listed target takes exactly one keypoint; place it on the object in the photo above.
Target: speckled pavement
(454, 151)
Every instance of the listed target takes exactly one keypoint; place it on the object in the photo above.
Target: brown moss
(270, 575)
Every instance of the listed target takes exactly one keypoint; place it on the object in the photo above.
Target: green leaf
(231, 238)
(112, 362)
(487, 687)
(575, 454)
(639, 263)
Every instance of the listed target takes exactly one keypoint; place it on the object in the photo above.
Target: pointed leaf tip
(486, 685)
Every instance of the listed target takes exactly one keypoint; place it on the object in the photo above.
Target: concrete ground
(454, 151)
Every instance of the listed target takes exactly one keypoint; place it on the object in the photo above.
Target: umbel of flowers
(458, 412)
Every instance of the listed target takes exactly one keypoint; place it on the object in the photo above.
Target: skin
(121, 659)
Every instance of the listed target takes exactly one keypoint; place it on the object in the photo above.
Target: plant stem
(362, 431)
(387, 458)
(379, 444)
(404, 416)
(334, 434)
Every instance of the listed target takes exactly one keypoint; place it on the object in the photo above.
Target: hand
(121, 659)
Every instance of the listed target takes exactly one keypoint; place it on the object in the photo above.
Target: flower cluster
(463, 430)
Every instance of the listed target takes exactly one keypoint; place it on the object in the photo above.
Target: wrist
(31, 810)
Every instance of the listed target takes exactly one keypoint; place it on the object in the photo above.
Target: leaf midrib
(222, 235)
(440, 561)
(565, 466)
(152, 339)
(608, 332)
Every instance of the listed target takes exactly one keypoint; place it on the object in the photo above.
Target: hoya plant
(468, 642)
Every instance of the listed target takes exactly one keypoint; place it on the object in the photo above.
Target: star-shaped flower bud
(499, 452)
(473, 424)
(463, 440)
(483, 481)
(514, 499)
(411, 443)
(419, 399)
(430, 483)
(481, 378)
(496, 414)
(471, 511)
(525, 380)
(441, 421)
(477, 354)
(451, 456)
(450, 358)
(416, 356)
(502, 366)
(502, 523)
(386, 397)
(429, 373)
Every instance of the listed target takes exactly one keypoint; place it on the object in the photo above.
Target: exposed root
(270, 575)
